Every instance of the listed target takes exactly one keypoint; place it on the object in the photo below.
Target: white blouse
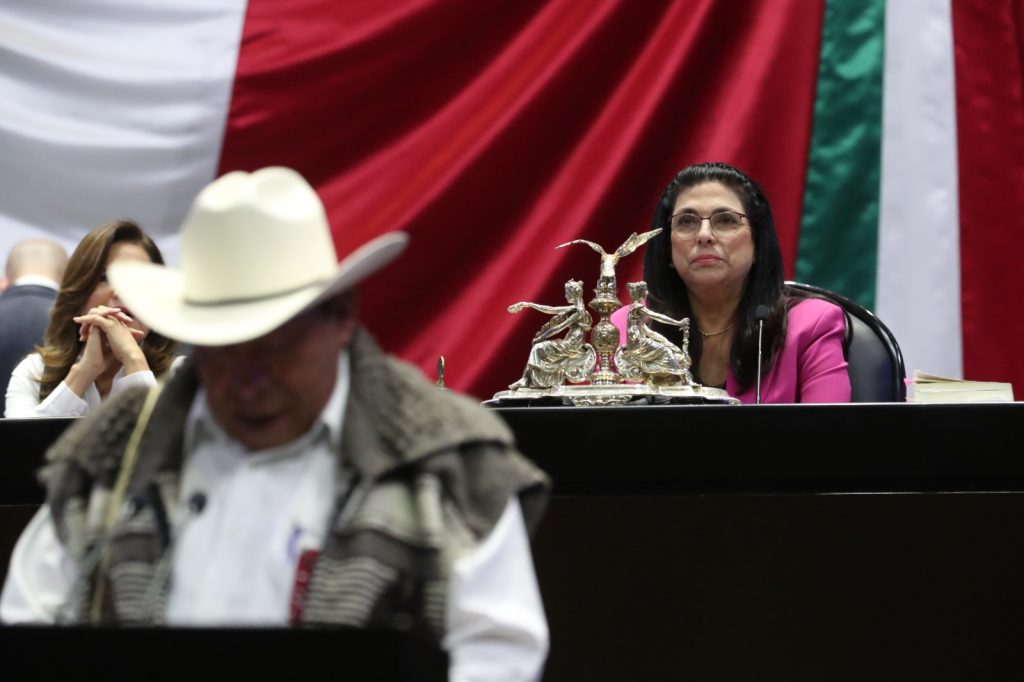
(23, 391)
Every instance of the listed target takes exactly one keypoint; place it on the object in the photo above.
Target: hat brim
(155, 295)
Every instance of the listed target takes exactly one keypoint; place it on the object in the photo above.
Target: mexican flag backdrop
(889, 137)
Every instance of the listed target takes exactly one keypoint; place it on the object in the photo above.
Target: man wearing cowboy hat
(289, 472)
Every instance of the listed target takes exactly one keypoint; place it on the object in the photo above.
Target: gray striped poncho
(426, 474)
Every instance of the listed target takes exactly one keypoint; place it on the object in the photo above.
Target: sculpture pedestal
(590, 395)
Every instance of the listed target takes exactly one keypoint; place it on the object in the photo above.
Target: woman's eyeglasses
(723, 223)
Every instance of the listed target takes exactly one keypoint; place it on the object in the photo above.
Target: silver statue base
(591, 395)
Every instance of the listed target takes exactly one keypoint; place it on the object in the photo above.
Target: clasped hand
(122, 341)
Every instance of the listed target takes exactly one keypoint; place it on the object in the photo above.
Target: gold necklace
(710, 334)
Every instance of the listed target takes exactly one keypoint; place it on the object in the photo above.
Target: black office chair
(876, 363)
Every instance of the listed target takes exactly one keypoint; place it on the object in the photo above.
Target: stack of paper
(929, 388)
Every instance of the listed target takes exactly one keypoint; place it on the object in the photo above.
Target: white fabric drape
(919, 237)
(111, 109)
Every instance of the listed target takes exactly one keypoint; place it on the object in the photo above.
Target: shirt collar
(39, 280)
(201, 426)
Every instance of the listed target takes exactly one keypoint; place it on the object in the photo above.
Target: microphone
(196, 504)
(760, 315)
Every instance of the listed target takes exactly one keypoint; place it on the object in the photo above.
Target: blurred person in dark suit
(34, 270)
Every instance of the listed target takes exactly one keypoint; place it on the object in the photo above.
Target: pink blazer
(808, 369)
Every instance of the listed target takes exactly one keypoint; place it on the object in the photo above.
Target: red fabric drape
(987, 37)
(493, 131)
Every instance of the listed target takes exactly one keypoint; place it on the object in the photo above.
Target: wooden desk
(86, 653)
(841, 542)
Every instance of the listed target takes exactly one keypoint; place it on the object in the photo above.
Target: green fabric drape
(838, 243)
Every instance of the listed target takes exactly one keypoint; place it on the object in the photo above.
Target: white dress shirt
(234, 561)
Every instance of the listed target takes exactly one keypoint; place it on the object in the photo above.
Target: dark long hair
(765, 282)
(86, 268)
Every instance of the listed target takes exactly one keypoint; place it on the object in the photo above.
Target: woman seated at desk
(716, 260)
(93, 348)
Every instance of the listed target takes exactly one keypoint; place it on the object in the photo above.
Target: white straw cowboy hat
(256, 250)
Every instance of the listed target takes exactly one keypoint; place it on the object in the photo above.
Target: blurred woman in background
(93, 347)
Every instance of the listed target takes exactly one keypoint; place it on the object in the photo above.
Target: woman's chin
(703, 278)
